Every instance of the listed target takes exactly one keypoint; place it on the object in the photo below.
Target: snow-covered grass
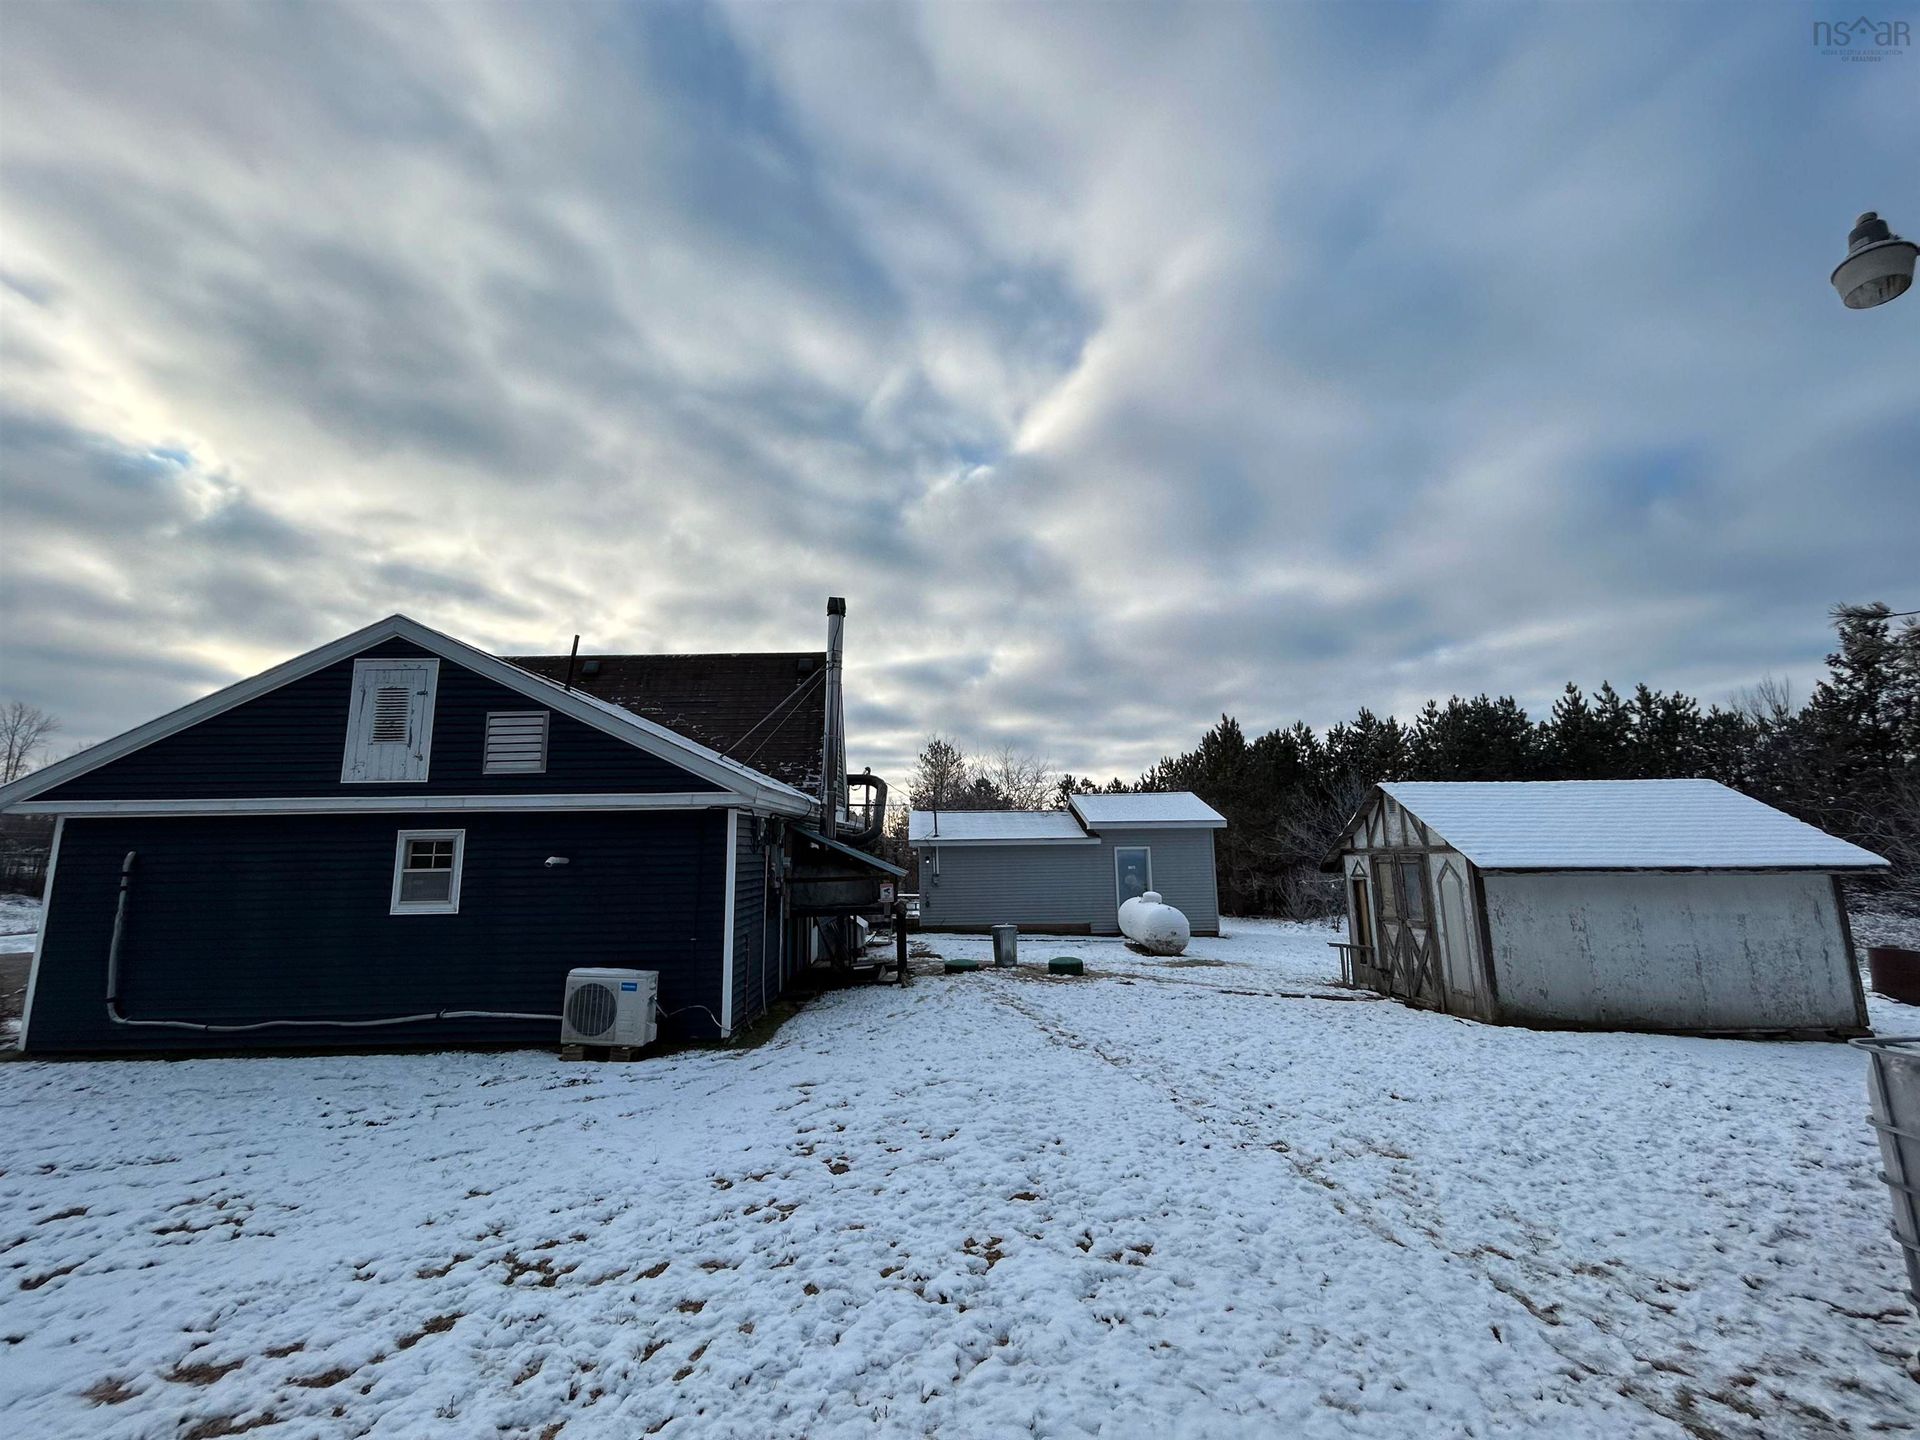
(1166, 1199)
(19, 922)
(1883, 925)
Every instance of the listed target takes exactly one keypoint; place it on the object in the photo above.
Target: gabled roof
(1162, 810)
(1621, 825)
(766, 710)
(995, 827)
(726, 774)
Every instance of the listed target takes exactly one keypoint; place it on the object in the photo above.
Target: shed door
(1406, 931)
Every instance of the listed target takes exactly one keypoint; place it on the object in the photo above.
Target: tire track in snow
(1743, 1406)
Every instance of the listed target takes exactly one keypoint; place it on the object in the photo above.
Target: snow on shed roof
(1621, 825)
(1167, 808)
(994, 827)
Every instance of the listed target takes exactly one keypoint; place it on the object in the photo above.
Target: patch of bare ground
(693, 1361)
(201, 1372)
(34, 1282)
(543, 1267)
(280, 1352)
(438, 1325)
(110, 1391)
(323, 1379)
(219, 1425)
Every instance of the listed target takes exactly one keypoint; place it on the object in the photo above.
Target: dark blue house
(399, 839)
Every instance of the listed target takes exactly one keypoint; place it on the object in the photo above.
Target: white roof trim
(935, 842)
(763, 790)
(386, 804)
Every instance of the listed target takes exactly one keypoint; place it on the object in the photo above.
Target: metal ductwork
(869, 834)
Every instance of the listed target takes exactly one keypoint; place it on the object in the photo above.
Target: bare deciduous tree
(24, 732)
(1020, 782)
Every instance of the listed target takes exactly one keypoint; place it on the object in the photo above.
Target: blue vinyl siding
(247, 918)
(290, 741)
(756, 959)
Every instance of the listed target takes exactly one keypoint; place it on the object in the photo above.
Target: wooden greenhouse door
(1408, 953)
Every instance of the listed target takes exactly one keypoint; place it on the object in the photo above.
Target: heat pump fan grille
(591, 1010)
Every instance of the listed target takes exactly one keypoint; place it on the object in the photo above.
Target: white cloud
(1122, 365)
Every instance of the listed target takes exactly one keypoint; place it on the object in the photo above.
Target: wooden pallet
(598, 1052)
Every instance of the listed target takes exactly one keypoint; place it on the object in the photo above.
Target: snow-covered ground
(19, 922)
(1168, 1200)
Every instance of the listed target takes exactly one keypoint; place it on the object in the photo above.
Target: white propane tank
(1156, 928)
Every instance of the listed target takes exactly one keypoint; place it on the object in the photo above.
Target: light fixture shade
(1878, 267)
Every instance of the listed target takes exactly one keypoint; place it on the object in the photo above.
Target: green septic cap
(955, 967)
(1066, 965)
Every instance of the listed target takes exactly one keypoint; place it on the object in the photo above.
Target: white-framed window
(390, 722)
(516, 743)
(1132, 871)
(426, 872)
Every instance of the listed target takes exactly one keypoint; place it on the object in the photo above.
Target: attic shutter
(390, 721)
(516, 742)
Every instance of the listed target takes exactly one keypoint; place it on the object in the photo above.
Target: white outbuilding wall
(1687, 951)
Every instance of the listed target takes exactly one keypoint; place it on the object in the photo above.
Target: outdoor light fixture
(1878, 267)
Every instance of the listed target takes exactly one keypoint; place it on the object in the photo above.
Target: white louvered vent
(390, 706)
(516, 742)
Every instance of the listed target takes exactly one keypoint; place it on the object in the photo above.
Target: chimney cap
(836, 605)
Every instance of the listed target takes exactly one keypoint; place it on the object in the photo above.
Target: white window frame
(545, 718)
(1118, 898)
(448, 906)
(358, 718)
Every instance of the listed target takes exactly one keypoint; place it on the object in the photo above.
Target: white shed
(1618, 904)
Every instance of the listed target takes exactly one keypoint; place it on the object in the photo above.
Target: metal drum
(1893, 1085)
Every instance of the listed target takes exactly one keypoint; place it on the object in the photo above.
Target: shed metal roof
(1621, 825)
(1166, 809)
(995, 827)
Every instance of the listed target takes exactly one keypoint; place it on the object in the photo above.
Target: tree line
(1847, 760)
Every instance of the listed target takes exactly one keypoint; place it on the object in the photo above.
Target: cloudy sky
(1121, 365)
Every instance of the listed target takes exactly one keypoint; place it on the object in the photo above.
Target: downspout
(119, 934)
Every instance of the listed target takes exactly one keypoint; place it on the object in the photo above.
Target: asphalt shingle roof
(765, 710)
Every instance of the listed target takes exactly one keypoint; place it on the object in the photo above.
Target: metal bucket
(1006, 950)
(1893, 1086)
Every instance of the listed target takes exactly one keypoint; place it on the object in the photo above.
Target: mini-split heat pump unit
(609, 1007)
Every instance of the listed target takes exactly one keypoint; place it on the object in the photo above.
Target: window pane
(1131, 864)
(426, 887)
(1413, 893)
(429, 854)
